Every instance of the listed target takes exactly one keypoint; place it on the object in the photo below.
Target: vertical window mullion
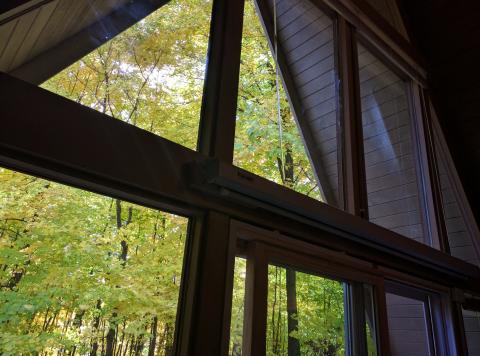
(428, 171)
(353, 171)
(256, 293)
(211, 282)
(458, 325)
(217, 124)
(355, 317)
(382, 320)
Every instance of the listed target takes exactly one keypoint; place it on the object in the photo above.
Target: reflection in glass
(85, 274)
(392, 184)
(460, 239)
(305, 314)
(471, 322)
(268, 140)
(151, 75)
(407, 326)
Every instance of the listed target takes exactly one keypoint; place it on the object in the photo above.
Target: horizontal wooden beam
(52, 137)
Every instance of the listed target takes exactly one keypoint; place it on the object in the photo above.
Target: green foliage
(62, 268)
(320, 314)
(238, 298)
(258, 147)
(151, 75)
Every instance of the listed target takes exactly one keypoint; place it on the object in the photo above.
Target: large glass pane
(296, 148)
(471, 320)
(150, 75)
(85, 274)
(407, 326)
(305, 314)
(459, 237)
(390, 165)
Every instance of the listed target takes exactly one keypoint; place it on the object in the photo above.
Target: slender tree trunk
(45, 319)
(168, 343)
(292, 312)
(110, 339)
(132, 345)
(120, 347)
(274, 305)
(96, 324)
(153, 337)
(118, 205)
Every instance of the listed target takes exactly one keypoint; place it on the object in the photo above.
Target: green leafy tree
(261, 146)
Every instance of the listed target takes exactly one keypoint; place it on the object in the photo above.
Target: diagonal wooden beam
(70, 50)
(10, 10)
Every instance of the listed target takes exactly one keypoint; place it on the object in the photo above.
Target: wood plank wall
(306, 36)
(406, 326)
(24, 37)
(471, 322)
(392, 187)
(459, 238)
(390, 12)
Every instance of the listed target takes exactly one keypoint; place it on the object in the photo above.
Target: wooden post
(219, 106)
(207, 313)
(256, 289)
(354, 181)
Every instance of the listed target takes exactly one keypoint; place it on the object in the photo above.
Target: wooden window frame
(261, 248)
(438, 141)
(157, 173)
(434, 314)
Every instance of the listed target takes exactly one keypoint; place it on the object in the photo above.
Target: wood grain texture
(306, 36)
(459, 238)
(471, 320)
(40, 28)
(392, 187)
(407, 326)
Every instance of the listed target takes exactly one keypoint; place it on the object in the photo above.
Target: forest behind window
(305, 313)
(84, 274)
(267, 139)
(151, 75)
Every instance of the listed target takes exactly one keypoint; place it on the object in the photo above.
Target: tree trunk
(118, 205)
(168, 343)
(110, 339)
(96, 324)
(292, 312)
(153, 338)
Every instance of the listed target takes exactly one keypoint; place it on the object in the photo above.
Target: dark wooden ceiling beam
(10, 10)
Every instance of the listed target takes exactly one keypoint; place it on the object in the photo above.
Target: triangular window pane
(459, 233)
(150, 75)
(261, 147)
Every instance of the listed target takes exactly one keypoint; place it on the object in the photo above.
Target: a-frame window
(461, 228)
(150, 76)
(288, 136)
